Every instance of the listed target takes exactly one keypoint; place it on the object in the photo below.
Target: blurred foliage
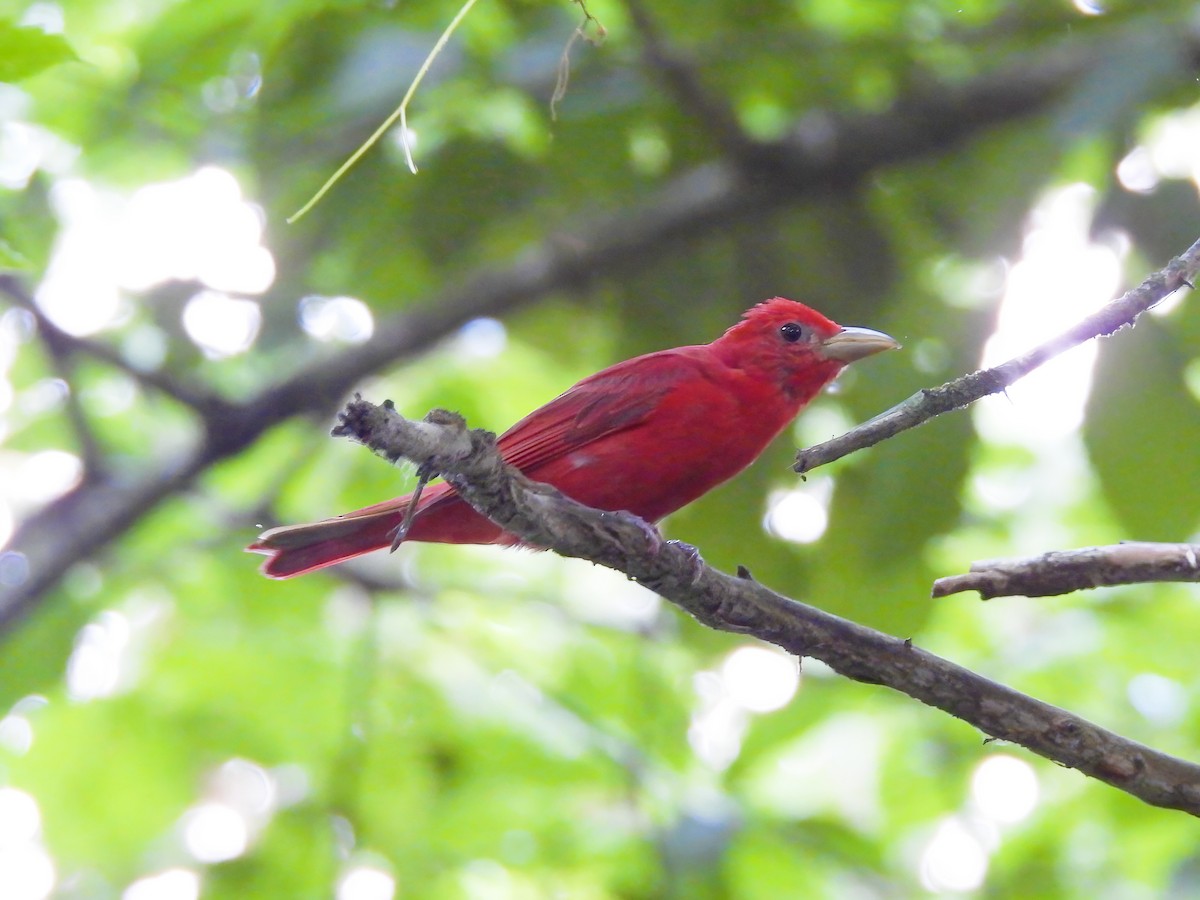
(486, 723)
(25, 51)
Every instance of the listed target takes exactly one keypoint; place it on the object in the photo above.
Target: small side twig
(930, 402)
(64, 345)
(1063, 571)
(562, 78)
(94, 462)
(541, 516)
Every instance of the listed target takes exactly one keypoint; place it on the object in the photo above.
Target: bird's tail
(296, 549)
(441, 517)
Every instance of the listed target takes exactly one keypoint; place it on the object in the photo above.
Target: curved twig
(925, 404)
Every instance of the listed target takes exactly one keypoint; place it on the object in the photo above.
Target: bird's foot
(400, 532)
(695, 560)
(654, 538)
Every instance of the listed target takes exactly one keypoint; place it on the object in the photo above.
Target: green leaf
(1142, 431)
(26, 51)
(12, 258)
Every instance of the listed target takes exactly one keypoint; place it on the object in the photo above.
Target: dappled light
(1163, 701)
(26, 870)
(1004, 789)
(482, 338)
(16, 734)
(1170, 150)
(344, 319)
(20, 820)
(16, 727)
(198, 228)
(221, 325)
(41, 477)
(1061, 276)
(955, 859)
(760, 679)
(800, 515)
(94, 669)
(750, 680)
(365, 882)
(718, 726)
(170, 884)
(215, 832)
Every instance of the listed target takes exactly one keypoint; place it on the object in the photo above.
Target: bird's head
(796, 347)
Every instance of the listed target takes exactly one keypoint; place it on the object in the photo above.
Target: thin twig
(94, 462)
(563, 75)
(401, 113)
(956, 394)
(90, 451)
(1063, 571)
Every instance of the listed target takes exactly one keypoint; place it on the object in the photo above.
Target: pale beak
(853, 343)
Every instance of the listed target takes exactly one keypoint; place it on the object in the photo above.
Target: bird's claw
(654, 538)
(695, 560)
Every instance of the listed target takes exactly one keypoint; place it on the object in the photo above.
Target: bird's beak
(853, 343)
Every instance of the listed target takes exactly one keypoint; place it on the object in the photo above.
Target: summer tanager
(648, 435)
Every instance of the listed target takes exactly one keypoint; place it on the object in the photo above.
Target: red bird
(648, 435)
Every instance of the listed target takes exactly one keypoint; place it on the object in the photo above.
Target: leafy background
(469, 722)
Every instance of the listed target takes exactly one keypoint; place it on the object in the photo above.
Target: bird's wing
(608, 402)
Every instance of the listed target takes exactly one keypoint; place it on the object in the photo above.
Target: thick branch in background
(961, 392)
(542, 516)
(681, 77)
(1063, 571)
(706, 200)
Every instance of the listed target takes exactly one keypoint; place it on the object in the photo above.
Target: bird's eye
(792, 332)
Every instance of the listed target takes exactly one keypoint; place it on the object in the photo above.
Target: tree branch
(930, 402)
(542, 516)
(1063, 571)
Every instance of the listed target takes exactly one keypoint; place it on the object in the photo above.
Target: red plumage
(648, 435)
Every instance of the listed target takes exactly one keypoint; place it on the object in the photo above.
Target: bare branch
(1063, 571)
(542, 516)
(930, 402)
